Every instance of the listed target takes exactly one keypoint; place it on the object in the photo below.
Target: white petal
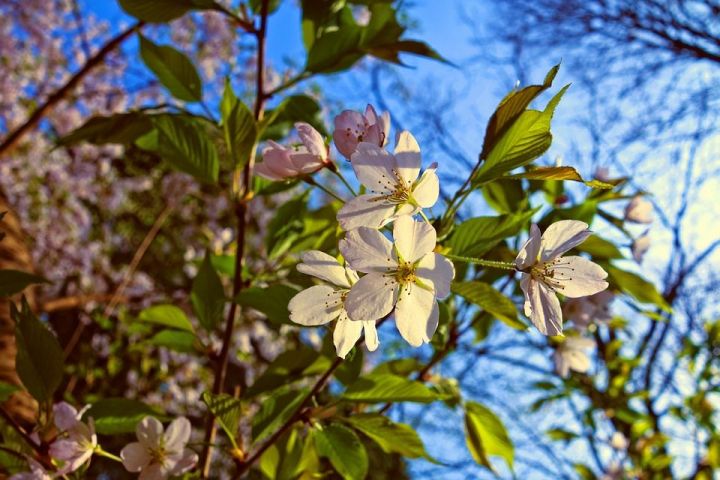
(321, 265)
(312, 139)
(416, 314)
(153, 472)
(370, 210)
(346, 334)
(413, 239)
(65, 415)
(562, 236)
(315, 306)
(185, 463)
(304, 162)
(371, 298)
(526, 288)
(544, 306)
(149, 432)
(371, 336)
(367, 250)
(578, 276)
(427, 189)
(374, 168)
(562, 367)
(577, 360)
(135, 457)
(439, 271)
(407, 157)
(528, 254)
(177, 434)
(264, 171)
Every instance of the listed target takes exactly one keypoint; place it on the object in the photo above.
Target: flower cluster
(402, 278)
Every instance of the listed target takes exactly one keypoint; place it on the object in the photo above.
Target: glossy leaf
(173, 68)
(558, 173)
(344, 449)
(637, 287)
(272, 301)
(227, 409)
(208, 296)
(275, 410)
(239, 127)
(485, 435)
(176, 340)
(378, 388)
(120, 128)
(114, 416)
(167, 315)
(489, 299)
(391, 437)
(475, 237)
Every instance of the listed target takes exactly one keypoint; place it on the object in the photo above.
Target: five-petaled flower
(393, 183)
(352, 128)
(79, 441)
(571, 355)
(546, 272)
(281, 163)
(158, 455)
(321, 304)
(406, 277)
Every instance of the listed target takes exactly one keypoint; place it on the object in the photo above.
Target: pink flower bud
(352, 127)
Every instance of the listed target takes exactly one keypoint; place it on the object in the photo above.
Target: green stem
(484, 263)
(422, 214)
(102, 453)
(342, 178)
(312, 182)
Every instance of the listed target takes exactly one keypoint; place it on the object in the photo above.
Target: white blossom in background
(571, 355)
(322, 304)
(546, 272)
(393, 183)
(37, 472)
(159, 454)
(405, 278)
(352, 128)
(639, 210)
(602, 174)
(618, 441)
(78, 442)
(281, 163)
(640, 246)
(585, 311)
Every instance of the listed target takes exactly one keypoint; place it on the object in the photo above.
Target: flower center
(405, 273)
(554, 273)
(158, 455)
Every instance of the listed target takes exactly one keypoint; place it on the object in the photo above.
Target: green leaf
(115, 416)
(391, 437)
(559, 434)
(489, 299)
(6, 390)
(286, 226)
(40, 360)
(485, 435)
(177, 340)
(120, 128)
(161, 11)
(272, 301)
(385, 387)
(598, 247)
(525, 140)
(335, 50)
(477, 236)
(174, 70)
(510, 108)
(558, 173)
(344, 449)
(208, 296)
(167, 315)
(227, 409)
(637, 287)
(276, 123)
(288, 366)
(238, 126)
(184, 144)
(15, 281)
(275, 410)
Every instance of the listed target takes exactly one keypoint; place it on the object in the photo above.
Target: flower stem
(312, 182)
(344, 180)
(422, 214)
(484, 263)
(109, 455)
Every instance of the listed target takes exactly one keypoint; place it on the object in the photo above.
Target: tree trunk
(14, 254)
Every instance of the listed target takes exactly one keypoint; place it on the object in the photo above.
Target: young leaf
(174, 70)
(207, 296)
(238, 126)
(335, 50)
(121, 128)
(161, 11)
(227, 410)
(288, 366)
(384, 387)
(477, 236)
(272, 301)
(637, 287)
(485, 435)
(486, 297)
(175, 340)
(115, 416)
(559, 173)
(344, 449)
(391, 437)
(598, 247)
(39, 361)
(15, 281)
(167, 315)
(274, 411)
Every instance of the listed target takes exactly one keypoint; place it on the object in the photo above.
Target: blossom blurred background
(644, 104)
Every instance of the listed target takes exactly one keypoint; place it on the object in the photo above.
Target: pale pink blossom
(585, 311)
(640, 246)
(352, 128)
(37, 472)
(639, 210)
(77, 444)
(546, 272)
(281, 163)
(571, 355)
(602, 174)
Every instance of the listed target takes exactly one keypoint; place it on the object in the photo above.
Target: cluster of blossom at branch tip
(546, 272)
(281, 163)
(404, 277)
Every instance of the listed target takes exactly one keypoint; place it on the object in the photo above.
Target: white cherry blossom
(393, 185)
(78, 440)
(322, 304)
(159, 454)
(639, 210)
(405, 278)
(37, 472)
(585, 311)
(546, 272)
(640, 246)
(571, 355)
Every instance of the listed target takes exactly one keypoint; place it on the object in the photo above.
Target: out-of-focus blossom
(640, 246)
(546, 272)
(571, 355)
(352, 128)
(393, 182)
(79, 442)
(618, 441)
(602, 174)
(37, 472)
(585, 311)
(639, 210)
(281, 163)
(159, 454)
